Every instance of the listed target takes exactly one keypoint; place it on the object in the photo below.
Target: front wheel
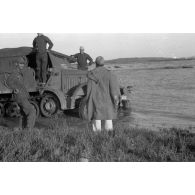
(12, 110)
(49, 105)
(83, 109)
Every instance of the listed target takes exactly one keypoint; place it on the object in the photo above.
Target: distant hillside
(143, 60)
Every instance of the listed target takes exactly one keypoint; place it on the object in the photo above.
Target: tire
(49, 105)
(36, 106)
(12, 110)
(83, 109)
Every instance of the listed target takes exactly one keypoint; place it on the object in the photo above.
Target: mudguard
(78, 93)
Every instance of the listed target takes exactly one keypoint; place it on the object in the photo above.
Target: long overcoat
(102, 90)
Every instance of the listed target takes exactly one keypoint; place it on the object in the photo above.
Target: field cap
(99, 61)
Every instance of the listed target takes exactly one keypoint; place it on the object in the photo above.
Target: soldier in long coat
(103, 95)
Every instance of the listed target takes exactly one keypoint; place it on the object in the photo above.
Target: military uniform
(40, 45)
(15, 82)
(82, 60)
(102, 98)
(102, 91)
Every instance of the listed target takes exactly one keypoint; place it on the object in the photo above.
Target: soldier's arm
(49, 42)
(91, 76)
(114, 89)
(72, 58)
(13, 83)
(75, 55)
(90, 60)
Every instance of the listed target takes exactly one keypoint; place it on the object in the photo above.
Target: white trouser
(96, 124)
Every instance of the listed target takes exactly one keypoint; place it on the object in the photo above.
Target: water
(161, 97)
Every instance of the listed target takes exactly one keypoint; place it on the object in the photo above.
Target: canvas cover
(14, 52)
(58, 61)
(10, 55)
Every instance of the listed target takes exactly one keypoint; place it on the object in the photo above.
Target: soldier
(103, 95)
(15, 82)
(40, 46)
(82, 59)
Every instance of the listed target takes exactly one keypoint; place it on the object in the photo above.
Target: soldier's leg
(22, 120)
(108, 125)
(30, 114)
(44, 67)
(31, 118)
(96, 125)
(38, 62)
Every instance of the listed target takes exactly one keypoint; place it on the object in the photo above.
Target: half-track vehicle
(65, 88)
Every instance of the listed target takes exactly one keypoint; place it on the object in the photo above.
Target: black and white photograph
(61, 101)
(97, 97)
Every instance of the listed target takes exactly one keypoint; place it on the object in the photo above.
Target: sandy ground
(125, 118)
(69, 118)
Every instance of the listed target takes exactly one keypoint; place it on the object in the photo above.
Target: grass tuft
(59, 143)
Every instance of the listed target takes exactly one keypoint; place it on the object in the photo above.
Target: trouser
(28, 112)
(41, 61)
(83, 68)
(96, 125)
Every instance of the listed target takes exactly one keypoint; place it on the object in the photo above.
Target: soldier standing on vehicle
(20, 95)
(82, 59)
(40, 46)
(103, 94)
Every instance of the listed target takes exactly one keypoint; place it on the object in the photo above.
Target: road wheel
(2, 110)
(12, 109)
(83, 108)
(49, 105)
(36, 106)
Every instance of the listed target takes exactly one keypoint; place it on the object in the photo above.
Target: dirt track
(68, 118)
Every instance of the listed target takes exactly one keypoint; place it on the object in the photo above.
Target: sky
(110, 45)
